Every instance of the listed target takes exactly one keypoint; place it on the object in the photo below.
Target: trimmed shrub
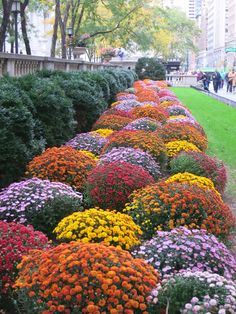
(19, 140)
(150, 68)
(98, 79)
(87, 100)
(54, 110)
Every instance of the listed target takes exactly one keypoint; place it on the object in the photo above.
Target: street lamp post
(70, 34)
(15, 9)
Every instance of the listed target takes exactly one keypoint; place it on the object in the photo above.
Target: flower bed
(37, 202)
(150, 112)
(145, 124)
(183, 132)
(148, 95)
(133, 156)
(92, 142)
(113, 122)
(190, 178)
(63, 164)
(195, 292)
(97, 225)
(116, 163)
(127, 105)
(173, 251)
(175, 147)
(164, 206)
(16, 240)
(117, 112)
(109, 185)
(146, 141)
(200, 164)
(93, 278)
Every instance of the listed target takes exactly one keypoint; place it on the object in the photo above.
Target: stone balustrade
(18, 65)
(182, 80)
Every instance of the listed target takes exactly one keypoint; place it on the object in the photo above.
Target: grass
(219, 123)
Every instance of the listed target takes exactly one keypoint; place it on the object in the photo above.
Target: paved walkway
(223, 95)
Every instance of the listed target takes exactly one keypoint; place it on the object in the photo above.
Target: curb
(225, 100)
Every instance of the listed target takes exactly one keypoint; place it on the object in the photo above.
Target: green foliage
(53, 109)
(44, 107)
(53, 211)
(87, 100)
(18, 142)
(179, 291)
(150, 68)
(96, 78)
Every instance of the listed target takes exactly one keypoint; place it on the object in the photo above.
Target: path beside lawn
(219, 123)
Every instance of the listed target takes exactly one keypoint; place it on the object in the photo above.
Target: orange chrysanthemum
(93, 278)
(63, 164)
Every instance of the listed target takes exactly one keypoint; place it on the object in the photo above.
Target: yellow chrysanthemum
(97, 225)
(177, 117)
(190, 178)
(115, 103)
(104, 132)
(173, 148)
(89, 154)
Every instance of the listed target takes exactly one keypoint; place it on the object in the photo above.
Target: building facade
(217, 42)
(230, 58)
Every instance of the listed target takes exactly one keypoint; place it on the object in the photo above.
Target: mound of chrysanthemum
(86, 278)
(109, 185)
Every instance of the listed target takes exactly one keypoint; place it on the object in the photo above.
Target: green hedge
(48, 108)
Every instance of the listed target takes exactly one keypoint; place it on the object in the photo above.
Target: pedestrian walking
(216, 78)
(227, 81)
(206, 82)
(222, 74)
(231, 80)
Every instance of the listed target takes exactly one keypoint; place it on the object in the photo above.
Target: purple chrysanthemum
(92, 142)
(133, 156)
(31, 195)
(184, 249)
(145, 123)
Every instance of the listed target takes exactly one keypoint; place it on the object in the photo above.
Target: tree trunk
(23, 26)
(6, 5)
(55, 29)
(63, 23)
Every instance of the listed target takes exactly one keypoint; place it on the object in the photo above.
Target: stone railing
(182, 80)
(18, 65)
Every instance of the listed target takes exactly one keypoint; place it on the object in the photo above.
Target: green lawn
(219, 123)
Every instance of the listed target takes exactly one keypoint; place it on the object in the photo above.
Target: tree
(98, 18)
(23, 7)
(150, 68)
(6, 12)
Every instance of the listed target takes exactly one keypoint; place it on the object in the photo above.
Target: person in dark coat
(206, 82)
(216, 78)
